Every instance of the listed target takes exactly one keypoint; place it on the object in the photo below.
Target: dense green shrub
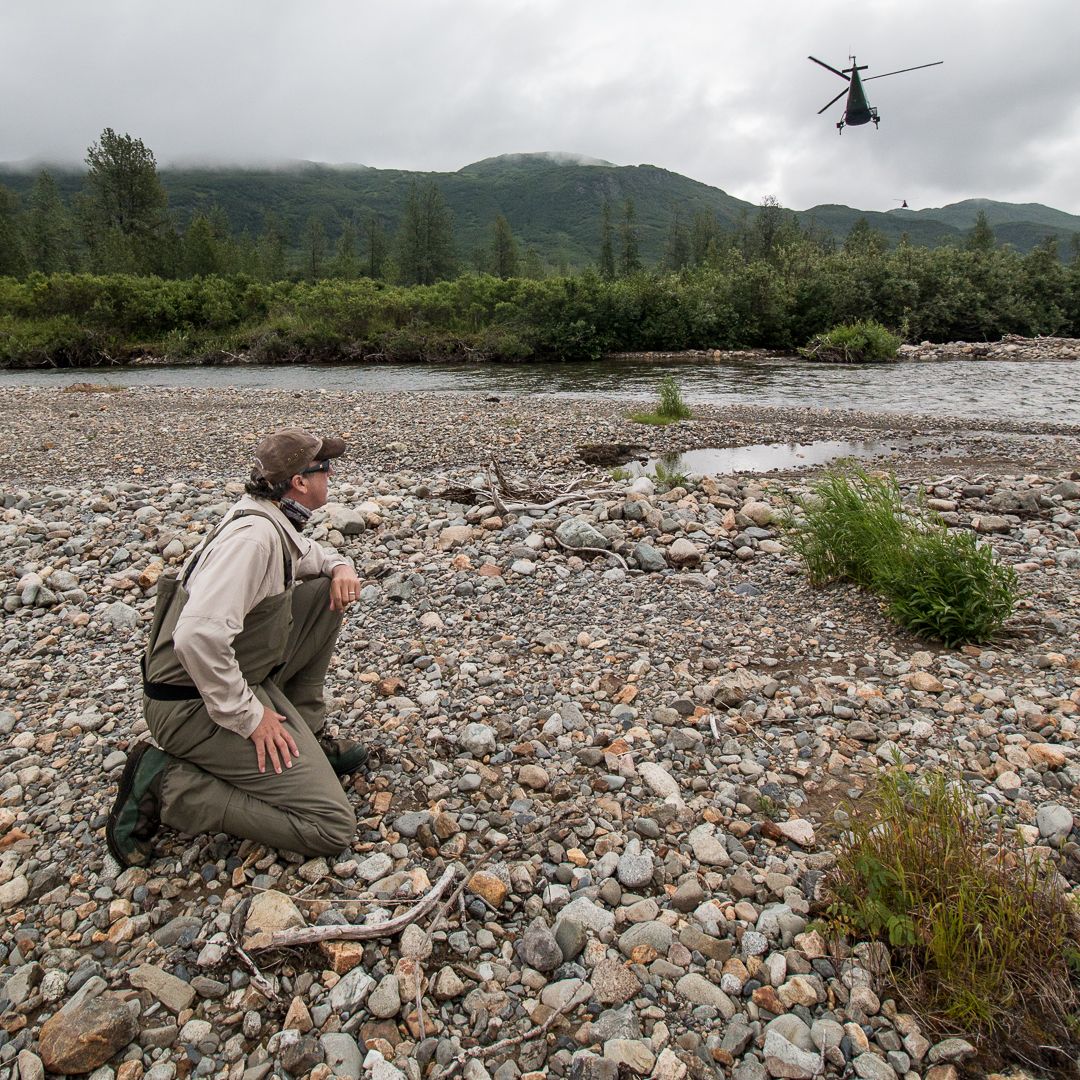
(863, 342)
(770, 295)
(982, 940)
(946, 585)
(937, 583)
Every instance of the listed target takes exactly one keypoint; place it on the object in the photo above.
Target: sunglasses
(321, 466)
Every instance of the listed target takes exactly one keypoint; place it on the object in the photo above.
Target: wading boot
(345, 755)
(136, 814)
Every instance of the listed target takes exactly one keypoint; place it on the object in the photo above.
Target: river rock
(269, 911)
(580, 533)
(613, 982)
(80, 1039)
(477, 739)
(1055, 822)
(539, 949)
(175, 994)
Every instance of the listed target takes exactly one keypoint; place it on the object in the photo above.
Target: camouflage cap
(288, 451)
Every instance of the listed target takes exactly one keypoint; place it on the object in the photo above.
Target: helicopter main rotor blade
(833, 102)
(830, 68)
(917, 67)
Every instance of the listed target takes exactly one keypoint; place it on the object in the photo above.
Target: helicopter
(857, 110)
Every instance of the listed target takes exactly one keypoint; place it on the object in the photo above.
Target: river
(977, 390)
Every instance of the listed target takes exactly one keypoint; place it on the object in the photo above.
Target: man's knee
(335, 830)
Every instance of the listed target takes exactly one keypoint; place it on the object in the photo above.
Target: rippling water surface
(993, 390)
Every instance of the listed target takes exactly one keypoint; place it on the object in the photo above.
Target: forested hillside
(552, 205)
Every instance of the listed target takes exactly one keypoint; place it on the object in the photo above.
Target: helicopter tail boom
(917, 67)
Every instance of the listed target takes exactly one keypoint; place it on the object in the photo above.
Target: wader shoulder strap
(159, 691)
(287, 566)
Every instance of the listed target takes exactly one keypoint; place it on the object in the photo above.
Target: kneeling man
(233, 676)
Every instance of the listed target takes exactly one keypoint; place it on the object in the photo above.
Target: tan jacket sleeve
(318, 561)
(233, 577)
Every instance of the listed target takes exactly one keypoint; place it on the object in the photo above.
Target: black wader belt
(164, 691)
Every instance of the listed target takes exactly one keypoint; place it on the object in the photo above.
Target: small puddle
(767, 457)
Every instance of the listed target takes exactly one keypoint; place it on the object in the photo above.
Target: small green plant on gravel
(671, 404)
(946, 585)
(979, 930)
(620, 474)
(666, 475)
(864, 342)
(669, 409)
(937, 583)
(847, 518)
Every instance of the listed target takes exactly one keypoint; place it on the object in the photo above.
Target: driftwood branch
(260, 981)
(482, 1053)
(310, 935)
(594, 551)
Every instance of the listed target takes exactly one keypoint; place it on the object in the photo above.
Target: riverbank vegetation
(863, 342)
(938, 583)
(776, 300)
(110, 278)
(980, 937)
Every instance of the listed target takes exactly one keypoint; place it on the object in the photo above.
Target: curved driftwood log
(311, 935)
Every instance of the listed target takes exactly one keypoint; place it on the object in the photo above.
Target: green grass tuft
(669, 409)
(667, 475)
(981, 935)
(937, 583)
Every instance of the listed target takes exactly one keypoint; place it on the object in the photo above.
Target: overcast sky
(720, 91)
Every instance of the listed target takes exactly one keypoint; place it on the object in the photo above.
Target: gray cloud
(718, 91)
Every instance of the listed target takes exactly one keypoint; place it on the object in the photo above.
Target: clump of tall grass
(668, 475)
(937, 583)
(669, 408)
(863, 342)
(982, 940)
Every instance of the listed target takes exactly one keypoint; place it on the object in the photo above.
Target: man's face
(310, 487)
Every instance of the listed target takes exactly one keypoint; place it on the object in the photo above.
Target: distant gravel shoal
(210, 433)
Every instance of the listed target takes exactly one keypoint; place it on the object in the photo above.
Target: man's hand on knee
(344, 587)
(272, 739)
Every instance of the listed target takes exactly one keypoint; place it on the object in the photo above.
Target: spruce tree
(124, 206)
(12, 256)
(200, 254)
(981, 236)
(629, 259)
(314, 248)
(425, 240)
(677, 251)
(504, 255)
(271, 249)
(377, 248)
(346, 261)
(607, 248)
(49, 240)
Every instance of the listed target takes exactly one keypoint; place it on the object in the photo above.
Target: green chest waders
(259, 647)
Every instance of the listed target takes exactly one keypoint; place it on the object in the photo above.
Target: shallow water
(976, 390)
(765, 457)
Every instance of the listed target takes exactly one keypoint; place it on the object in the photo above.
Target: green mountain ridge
(553, 202)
